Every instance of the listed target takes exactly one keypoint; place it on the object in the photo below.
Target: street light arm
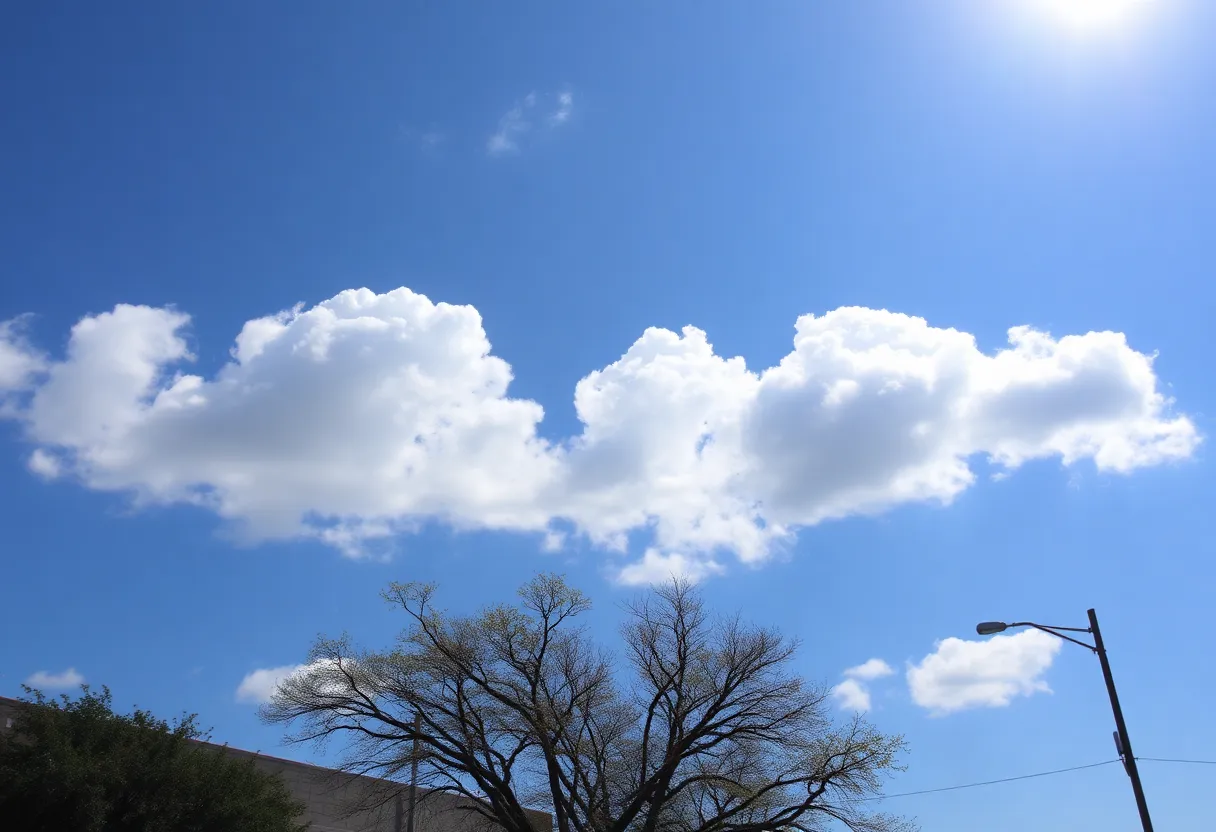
(1052, 630)
(1051, 627)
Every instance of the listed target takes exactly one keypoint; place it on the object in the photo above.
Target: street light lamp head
(991, 628)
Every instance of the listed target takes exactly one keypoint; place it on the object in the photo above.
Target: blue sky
(183, 509)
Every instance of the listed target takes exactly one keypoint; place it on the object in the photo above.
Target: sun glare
(1092, 15)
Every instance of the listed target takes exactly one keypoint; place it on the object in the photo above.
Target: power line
(994, 782)
(1037, 774)
(1168, 760)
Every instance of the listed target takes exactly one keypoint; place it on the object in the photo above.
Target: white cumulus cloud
(852, 695)
(870, 670)
(982, 674)
(45, 680)
(854, 692)
(336, 422)
(359, 418)
(259, 685)
(660, 567)
(326, 675)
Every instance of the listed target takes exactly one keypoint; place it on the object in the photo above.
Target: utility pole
(1125, 743)
(409, 824)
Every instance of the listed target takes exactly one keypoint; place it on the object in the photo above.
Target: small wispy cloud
(426, 140)
(44, 464)
(551, 111)
(20, 363)
(46, 680)
(511, 127)
(565, 106)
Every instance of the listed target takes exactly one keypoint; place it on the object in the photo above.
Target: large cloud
(975, 674)
(366, 414)
(339, 422)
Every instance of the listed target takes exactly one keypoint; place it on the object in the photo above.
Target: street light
(1122, 743)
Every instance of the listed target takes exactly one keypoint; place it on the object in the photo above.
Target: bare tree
(516, 706)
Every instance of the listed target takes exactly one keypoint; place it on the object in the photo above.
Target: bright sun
(1090, 15)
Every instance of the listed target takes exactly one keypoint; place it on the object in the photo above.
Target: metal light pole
(1122, 740)
(1129, 758)
(414, 773)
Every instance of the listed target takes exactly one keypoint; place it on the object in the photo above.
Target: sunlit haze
(1092, 16)
(874, 318)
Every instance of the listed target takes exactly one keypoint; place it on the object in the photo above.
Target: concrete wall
(339, 802)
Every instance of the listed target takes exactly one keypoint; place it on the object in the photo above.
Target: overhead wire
(1036, 774)
(1171, 760)
(994, 782)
